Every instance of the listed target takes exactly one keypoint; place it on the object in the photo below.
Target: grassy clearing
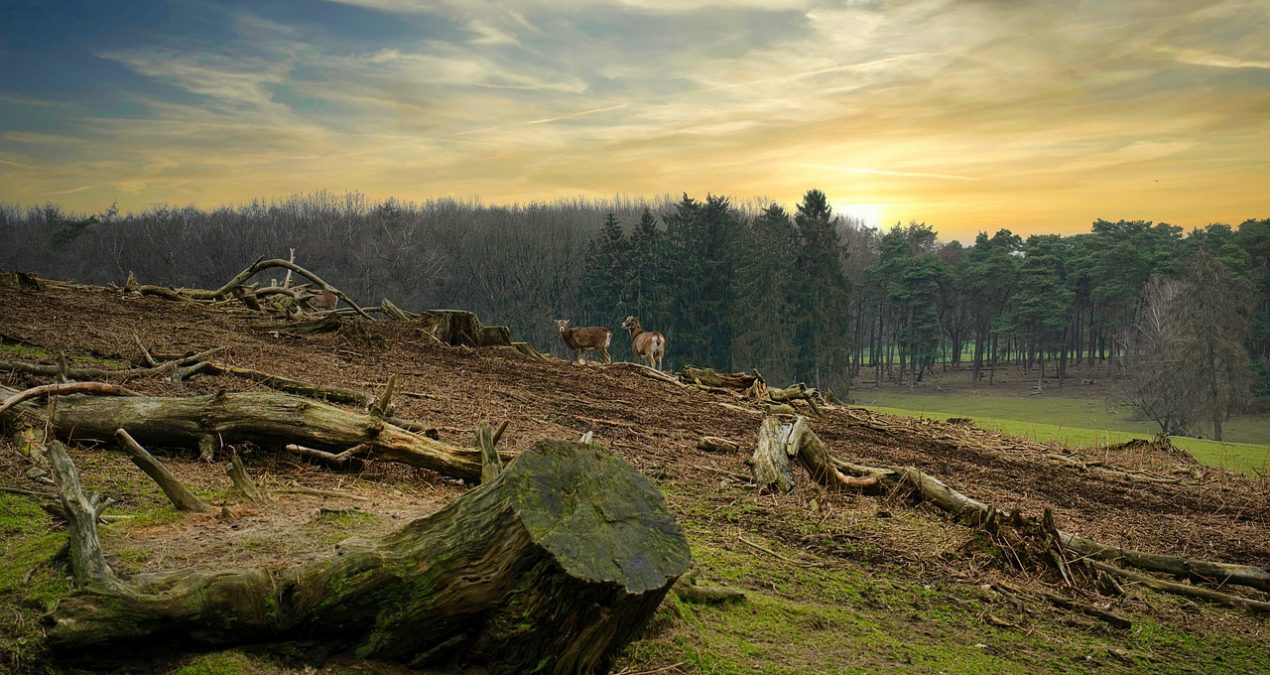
(1250, 458)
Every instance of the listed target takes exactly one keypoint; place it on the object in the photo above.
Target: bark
(716, 444)
(87, 562)
(551, 567)
(243, 483)
(770, 462)
(265, 418)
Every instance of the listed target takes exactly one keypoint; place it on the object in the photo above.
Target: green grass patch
(227, 663)
(25, 352)
(1249, 458)
(854, 618)
(31, 579)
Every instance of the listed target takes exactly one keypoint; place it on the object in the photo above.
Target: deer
(582, 338)
(324, 300)
(647, 344)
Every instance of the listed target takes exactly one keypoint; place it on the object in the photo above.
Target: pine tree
(698, 282)
(822, 296)
(604, 279)
(762, 313)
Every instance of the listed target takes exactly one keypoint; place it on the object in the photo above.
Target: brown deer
(647, 344)
(586, 337)
(324, 300)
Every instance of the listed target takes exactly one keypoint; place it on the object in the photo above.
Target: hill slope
(835, 581)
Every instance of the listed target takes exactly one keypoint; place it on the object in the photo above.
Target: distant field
(1078, 421)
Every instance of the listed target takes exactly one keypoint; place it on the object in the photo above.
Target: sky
(967, 115)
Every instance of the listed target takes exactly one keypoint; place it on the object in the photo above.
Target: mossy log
(265, 418)
(552, 566)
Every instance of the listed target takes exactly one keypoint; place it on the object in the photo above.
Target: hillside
(834, 580)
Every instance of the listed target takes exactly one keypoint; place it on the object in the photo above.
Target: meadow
(1073, 418)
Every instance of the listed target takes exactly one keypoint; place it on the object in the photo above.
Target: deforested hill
(902, 545)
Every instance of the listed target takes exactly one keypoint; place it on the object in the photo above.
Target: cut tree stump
(459, 328)
(552, 566)
(770, 462)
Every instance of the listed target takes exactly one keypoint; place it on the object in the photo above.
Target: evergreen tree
(698, 285)
(1041, 302)
(764, 285)
(604, 279)
(822, 296)
(647, 259)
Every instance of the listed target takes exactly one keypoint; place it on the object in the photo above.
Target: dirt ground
(654, 425)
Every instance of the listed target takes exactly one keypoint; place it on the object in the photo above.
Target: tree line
(803, 295)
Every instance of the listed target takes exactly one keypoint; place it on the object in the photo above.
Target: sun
(870, 215)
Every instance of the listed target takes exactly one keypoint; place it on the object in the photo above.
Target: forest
(802, 296)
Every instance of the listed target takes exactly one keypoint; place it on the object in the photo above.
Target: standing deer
(586, 337)
(647, 344)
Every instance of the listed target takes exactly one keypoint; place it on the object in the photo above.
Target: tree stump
(552, 566)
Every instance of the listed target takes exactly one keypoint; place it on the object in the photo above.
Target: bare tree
(1187, 357)
(1214, 314)
(1151, 384)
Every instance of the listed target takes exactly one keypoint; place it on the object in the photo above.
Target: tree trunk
(553, 566)
(266, 418)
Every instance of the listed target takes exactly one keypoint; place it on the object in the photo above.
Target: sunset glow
(965, 115)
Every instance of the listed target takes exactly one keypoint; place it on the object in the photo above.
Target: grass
(1080, 422)
(31, 579)
(848, 618)
(26, 352)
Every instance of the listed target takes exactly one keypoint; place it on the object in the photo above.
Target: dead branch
(102, 373)
(181, 497)
(62, 389)
(1228, 599)
(288, 385)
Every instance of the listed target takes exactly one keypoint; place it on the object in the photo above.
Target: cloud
(71, 191)
(1201, 58)
(40, 138)
(884, 172)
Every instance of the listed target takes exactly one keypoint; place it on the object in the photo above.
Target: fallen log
(552, 566)
(975, 513)
(265, 418)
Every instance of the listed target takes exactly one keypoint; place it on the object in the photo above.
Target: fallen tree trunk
(264, 418)
(795, 436)
(552, 566)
